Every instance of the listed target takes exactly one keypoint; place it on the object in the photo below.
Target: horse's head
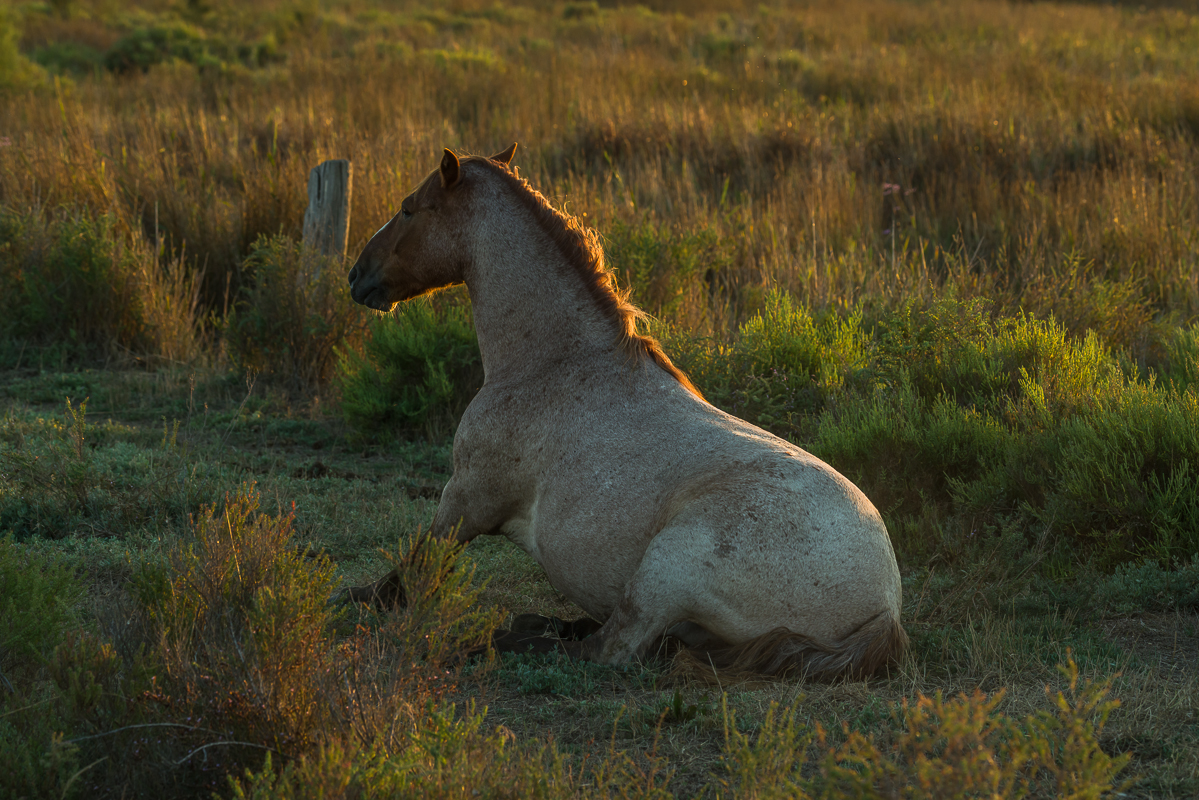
(421, 248)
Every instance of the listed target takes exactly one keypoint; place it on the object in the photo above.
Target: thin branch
(143, 725)
(218, 744)
(79, 774)
(25, 708)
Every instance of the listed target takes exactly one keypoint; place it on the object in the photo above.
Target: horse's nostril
(353, 274)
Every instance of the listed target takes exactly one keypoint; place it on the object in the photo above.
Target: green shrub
(1182, 363)
(958, 349)
(293, 313)
(63, 476)
(1147, 586)
(1013, 421)
(951, 419)
(231, 653)
(581, 10)
(786, 338)
(780, 368)
(420, 369)
(242, 624)
(447, 756)
(906, 453)
(36, 600)
(36, 761)
(69, 58)
(1118, 478)
(962, 747)
(74, 288)
(722, 48)
(144, 47)
(672, 273)
(16, 71)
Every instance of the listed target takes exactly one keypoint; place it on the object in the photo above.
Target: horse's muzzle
(363, 290)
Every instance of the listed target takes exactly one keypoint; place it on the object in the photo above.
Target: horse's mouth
(373, 297)
(378, 302)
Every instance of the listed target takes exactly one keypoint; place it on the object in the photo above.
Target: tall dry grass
(1041, 154)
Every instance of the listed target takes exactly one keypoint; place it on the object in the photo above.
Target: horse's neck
(532, 310)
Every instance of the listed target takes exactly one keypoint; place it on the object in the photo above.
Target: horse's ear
(505, 158)
(450, 169)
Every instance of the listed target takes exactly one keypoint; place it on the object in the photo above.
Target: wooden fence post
(327, 220)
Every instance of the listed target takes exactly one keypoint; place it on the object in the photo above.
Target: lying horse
(652, 510)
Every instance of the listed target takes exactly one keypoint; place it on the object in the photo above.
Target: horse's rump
(869, 650)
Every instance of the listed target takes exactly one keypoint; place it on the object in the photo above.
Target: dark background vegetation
(949, 248)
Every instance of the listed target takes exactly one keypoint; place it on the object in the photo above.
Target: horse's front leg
(456, 517)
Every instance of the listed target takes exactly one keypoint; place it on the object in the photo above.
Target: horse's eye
(405, 213)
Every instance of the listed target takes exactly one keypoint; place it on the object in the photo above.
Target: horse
(652, 510)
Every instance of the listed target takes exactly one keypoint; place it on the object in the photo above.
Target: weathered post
(327, 220)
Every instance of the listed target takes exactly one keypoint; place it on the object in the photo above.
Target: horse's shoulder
(499, 418)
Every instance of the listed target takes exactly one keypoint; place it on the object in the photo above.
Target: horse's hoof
(383, 595)
(575, 630)
(518, 642)
(535, 624)
(579, 629)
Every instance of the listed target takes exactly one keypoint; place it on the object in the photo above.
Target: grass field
(950, 248)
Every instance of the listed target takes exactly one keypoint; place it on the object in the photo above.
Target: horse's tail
(872, 648)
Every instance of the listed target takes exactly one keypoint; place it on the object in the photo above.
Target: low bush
(419, 370)
(292, 315)
(229, 656)
(69, 58)
(73, 289)
(254, 655)
(447, 755)
(64, 476)
(16, 71)
(44, 688)
(908, 453)
(242, 624)
(143, 48)
(949, 418)
(1117, 479)
(781, 366)
(962, 747)
(37, 596)
(962, 350)
(1182, 362)
(1147, 586)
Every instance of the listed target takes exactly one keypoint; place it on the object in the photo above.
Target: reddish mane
(581, 248)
